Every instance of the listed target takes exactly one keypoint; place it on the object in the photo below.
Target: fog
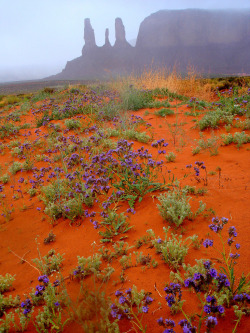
(39, 37)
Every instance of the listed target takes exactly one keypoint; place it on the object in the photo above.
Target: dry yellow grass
(191, 85)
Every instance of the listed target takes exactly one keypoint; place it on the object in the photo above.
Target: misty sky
(39, 36)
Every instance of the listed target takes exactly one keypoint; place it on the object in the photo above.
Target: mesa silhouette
(212, 42)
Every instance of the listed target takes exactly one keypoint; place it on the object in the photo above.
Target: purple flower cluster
(197, 167)
(201, 282)
(159, 143)
(243, 298)
(218, 224)
(39, 290)
(212, 307)
(211, 322)
(170, 324)
(79, 272)
(187, 327)
(232, 234)
(167, 323)
(208, 242)
(174, 294)
(41, 287)
(222, 281)
(126, 302)
(44, 279)
(27, 306)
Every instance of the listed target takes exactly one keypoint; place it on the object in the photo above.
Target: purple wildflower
(208, 242)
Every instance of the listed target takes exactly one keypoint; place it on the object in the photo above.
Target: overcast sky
(39, 36)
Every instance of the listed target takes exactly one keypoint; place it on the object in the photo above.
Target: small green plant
(7, 208)
(50, 263)
(240, 138)
(120, 248)
(227, 139)
(6, 282)
(142, 240)
(53, 296)
(32, 192)
(8, 303)
(72, 124)
(174, 206)
(228, 128)
(5, 178)
(170, 157)
(196, 150)
(173, 249)
(28, 164)
(15, 167)
(126, 261)
(164, 112)
(87, 266)
(133, 99)
(175, 131)
(211, 119)
(6, 323)
(109, 111)
(210, 144)
(114, 225)
(92, 311)
(131, 134)
(132, 304)
(192, 190)
(158, 104)
(143, 259)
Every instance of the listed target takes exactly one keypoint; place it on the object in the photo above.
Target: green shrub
(7, 303)
(8, 129)
(196, 150)
(164, 112)
(5, 178)
(87, 266)
(132, 134)
(72, 124)
(133, 99)
(210, 144)
(158, 104)
(50, 263)
(173, 248)
(6, 282)
(15, 167)
(174, 251)
(240, 138)
(109, 111)
(227, 139)
(211, 119)
(170, 157)
(114, 225)
(174, 207)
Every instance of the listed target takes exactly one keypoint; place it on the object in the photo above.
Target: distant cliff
(215, 42)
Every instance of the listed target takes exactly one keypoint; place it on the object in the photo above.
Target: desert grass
(190, 85)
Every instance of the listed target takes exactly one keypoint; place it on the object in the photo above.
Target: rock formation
(107, 42)
(89, 36)
(213, 42)
(120, 38)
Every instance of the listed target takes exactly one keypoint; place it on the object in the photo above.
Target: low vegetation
(100, 171)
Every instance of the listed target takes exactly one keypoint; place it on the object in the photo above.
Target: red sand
(227, 196)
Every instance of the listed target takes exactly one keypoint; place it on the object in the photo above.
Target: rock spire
(89, 35)
(107, 42)
(120, 33)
